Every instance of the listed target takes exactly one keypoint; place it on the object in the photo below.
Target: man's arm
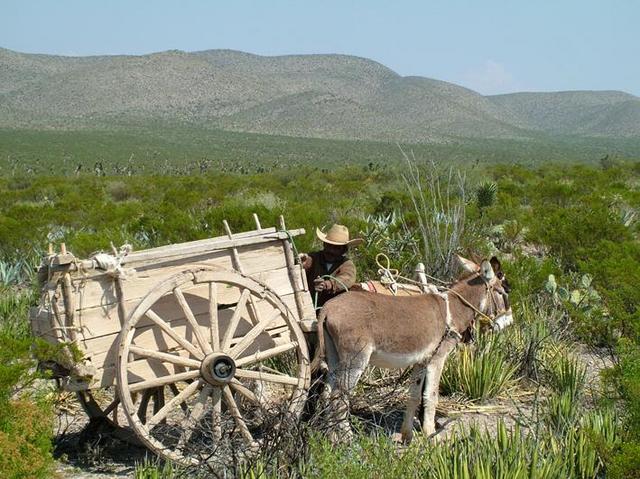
(345, 277)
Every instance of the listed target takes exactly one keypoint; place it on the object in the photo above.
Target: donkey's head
(496, 302)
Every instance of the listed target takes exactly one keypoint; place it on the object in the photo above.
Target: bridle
(482, 317)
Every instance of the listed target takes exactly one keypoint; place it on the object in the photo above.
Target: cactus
(584, 296)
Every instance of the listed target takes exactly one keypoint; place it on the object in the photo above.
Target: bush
(26, 426)
(25, 418)
(479, 372)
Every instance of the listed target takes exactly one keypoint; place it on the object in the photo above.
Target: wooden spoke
(262, 355)
(175, 391)
(198, 410)
(213, 317)
(164, 380)
(235, 319)
(252, 309)
(216, 413)
(235, 412)
(173, 334)
(245, 391)
(256, 331)
(165, 357)
(204, 344)
(166, 409)
(269, 377)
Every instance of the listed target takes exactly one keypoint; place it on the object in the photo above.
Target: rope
(395, 274)
(112, 264)
(328, 276)
(387, 271)
(468, 304)
(296, 255)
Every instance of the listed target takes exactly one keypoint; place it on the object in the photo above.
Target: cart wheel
(229, 356)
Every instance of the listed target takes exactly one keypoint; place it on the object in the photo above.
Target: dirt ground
(95, 449)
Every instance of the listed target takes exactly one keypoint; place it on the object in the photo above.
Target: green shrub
(479, 372)
(26, 425)
(471, 452)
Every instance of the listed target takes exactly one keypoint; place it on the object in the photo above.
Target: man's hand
(321, 285)
(305, 260)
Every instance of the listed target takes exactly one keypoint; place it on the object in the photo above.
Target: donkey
(360, 328)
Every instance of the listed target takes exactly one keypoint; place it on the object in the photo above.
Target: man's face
(333, 252)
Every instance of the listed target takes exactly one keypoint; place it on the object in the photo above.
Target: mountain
(325, 96)
(588, 113)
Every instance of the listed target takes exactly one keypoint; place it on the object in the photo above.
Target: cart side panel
(99, 290)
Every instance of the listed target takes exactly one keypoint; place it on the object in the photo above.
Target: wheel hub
(218, 369)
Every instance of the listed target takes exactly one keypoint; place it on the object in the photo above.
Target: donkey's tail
(319, 358)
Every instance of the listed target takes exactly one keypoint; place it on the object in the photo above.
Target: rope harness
(388, 277)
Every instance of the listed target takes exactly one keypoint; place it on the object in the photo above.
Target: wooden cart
(199, 345)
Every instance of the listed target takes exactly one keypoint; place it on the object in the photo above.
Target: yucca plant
(486, 195)
(14, 311)
(562, 412)
(477, 453)
(566, 374)
(480, 372)
(155, 469)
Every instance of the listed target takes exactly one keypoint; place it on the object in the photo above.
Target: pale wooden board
(103, 320)
(132, 257)
(101, 291)
(186, 250)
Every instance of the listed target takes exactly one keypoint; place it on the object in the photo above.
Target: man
(330, 272)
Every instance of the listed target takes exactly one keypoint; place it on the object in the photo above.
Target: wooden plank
(144, 257)
(99, 322)
(101, 290)
(204, 241)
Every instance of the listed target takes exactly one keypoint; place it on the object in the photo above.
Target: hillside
(323, 96)
(589, 113)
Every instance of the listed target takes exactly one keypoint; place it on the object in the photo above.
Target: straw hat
(338, 235)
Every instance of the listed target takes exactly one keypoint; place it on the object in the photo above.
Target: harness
(479, 315)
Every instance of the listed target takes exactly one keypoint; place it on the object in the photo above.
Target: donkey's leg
(347, 374)
(432, 383)
(415, 386)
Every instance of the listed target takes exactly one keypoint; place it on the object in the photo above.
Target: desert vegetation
(556, 395)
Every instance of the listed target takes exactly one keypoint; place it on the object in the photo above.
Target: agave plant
(480, 373)
(486, 195)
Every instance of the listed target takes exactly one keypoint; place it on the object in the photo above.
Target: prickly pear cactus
(584, 296)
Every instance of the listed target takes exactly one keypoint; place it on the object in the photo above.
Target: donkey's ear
(486, 270)
(466, 265)
(495, 265)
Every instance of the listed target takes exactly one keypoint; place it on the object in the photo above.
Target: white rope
(112, 264)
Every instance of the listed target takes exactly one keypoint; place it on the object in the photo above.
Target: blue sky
(488, 45)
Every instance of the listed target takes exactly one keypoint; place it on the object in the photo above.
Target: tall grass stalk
(439, 204)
